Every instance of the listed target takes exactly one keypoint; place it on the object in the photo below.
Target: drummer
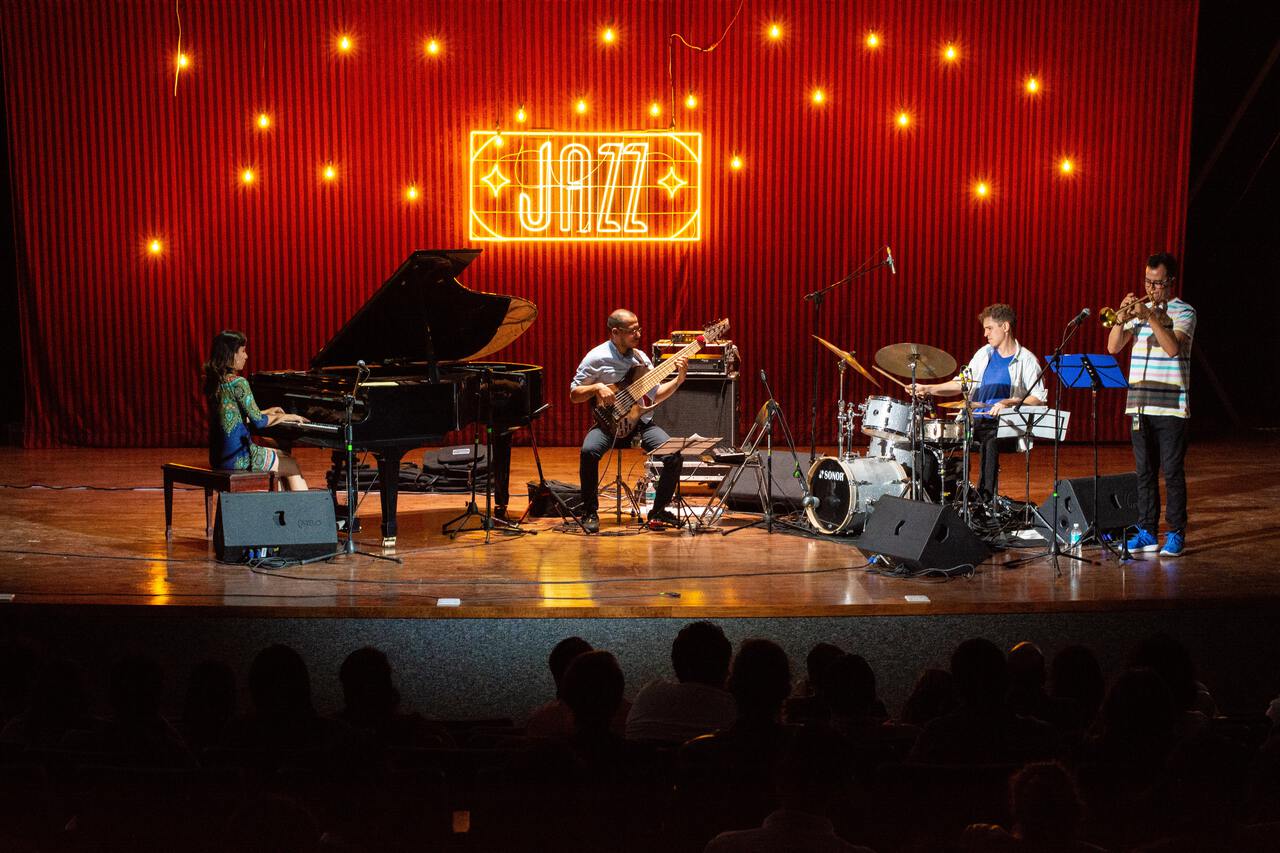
(996, 378)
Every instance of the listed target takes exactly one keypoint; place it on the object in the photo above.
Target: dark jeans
(1161, 440)
(598, 443)
(984, 437)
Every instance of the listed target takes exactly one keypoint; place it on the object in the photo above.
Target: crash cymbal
(930, 362)
(848, 357)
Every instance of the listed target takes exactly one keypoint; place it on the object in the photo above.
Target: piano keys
(420, 337)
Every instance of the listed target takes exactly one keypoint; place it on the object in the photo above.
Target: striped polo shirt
(1158, 382)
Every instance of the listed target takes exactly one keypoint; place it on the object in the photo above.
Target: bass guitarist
(602, 368)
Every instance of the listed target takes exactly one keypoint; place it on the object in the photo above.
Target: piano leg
(389, 488)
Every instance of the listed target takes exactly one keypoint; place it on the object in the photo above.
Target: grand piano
(421, 337)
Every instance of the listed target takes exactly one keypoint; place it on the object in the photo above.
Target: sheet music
(1038, 421)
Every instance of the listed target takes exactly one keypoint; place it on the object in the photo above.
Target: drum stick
(891, 377)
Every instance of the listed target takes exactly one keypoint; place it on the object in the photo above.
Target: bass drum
(847, 489)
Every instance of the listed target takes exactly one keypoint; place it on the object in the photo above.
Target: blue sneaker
(1142, 542)
(1174, 542)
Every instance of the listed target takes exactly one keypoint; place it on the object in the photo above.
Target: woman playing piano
(232, 411)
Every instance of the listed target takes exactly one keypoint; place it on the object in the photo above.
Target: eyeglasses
(632, 331)
(1161, 282)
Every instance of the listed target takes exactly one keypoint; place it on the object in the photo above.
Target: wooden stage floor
(91, 531)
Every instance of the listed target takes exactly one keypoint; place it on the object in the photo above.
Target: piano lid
(423, 313)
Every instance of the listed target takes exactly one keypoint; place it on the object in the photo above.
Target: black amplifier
(717, 359)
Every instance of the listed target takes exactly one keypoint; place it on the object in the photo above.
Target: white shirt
(1022, 370)
(674, 712)
(608, 365)
(785, 831)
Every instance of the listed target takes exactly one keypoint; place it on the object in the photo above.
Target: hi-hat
(848, 357)
(930, 362)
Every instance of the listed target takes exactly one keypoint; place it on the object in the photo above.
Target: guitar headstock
(714, 332)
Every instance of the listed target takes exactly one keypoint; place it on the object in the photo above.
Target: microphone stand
(766, 496)
(816, 298)
(455, 526)
(348, 443)
(1054, 551)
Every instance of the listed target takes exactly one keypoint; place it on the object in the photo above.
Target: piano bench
(211, 480)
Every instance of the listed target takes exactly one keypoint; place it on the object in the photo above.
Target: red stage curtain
(105, 156)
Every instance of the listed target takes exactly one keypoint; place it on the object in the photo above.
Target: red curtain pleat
(105, 157)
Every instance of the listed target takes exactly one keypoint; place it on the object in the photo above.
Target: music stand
(1094, 371)
(700, 447)
(762, 430)
(488, 523)
(1054, 551)
(542, 491)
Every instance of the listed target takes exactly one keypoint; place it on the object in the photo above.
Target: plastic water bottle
(650, 494)
(1076, 537)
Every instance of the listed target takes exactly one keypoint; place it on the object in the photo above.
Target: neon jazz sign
(548, 186)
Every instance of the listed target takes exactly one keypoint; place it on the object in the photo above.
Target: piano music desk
(211, 480)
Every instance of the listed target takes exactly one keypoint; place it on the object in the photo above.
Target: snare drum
(847, 489)
(881, 449)
(887, 418)
(939, 431)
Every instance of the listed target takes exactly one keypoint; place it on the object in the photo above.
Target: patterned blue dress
(231, 413)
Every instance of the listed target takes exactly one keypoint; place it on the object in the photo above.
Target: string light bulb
(411, 193)
(1032, 85)
(345, 44)
(581, 106)
(873, 40)
(736, 163)
(521, 115)
(818, 96)
(329, 172)
(1066, 166)
(263, 121)
(154, 246)
(982, 189)
(609, 35)
(903, 120)
(691, 101)
(433, 47)
(774, 31)
(950, 53)
(247, 176)
(655, 109)
(183, 60)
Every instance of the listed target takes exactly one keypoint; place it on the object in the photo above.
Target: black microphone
(360, 362)
(889, 259)
(763, 378)
(1081, 317)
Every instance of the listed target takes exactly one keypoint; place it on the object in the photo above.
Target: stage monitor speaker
(921, 535)
(293, 525)
(707, 405)
(1117, 504)
(788, 489)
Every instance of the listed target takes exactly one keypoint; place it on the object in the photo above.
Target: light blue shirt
(607, 365)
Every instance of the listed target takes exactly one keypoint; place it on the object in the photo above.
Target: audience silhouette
(697, 702)
(982, 730)
(1147, 765)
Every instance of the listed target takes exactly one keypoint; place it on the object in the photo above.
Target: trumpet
(1115, 316)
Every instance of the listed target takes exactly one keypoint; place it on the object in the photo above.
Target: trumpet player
(1160, 328)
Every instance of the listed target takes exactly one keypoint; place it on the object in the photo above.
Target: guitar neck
(655, 377)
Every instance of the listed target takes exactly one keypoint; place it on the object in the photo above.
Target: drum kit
(903, 433)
